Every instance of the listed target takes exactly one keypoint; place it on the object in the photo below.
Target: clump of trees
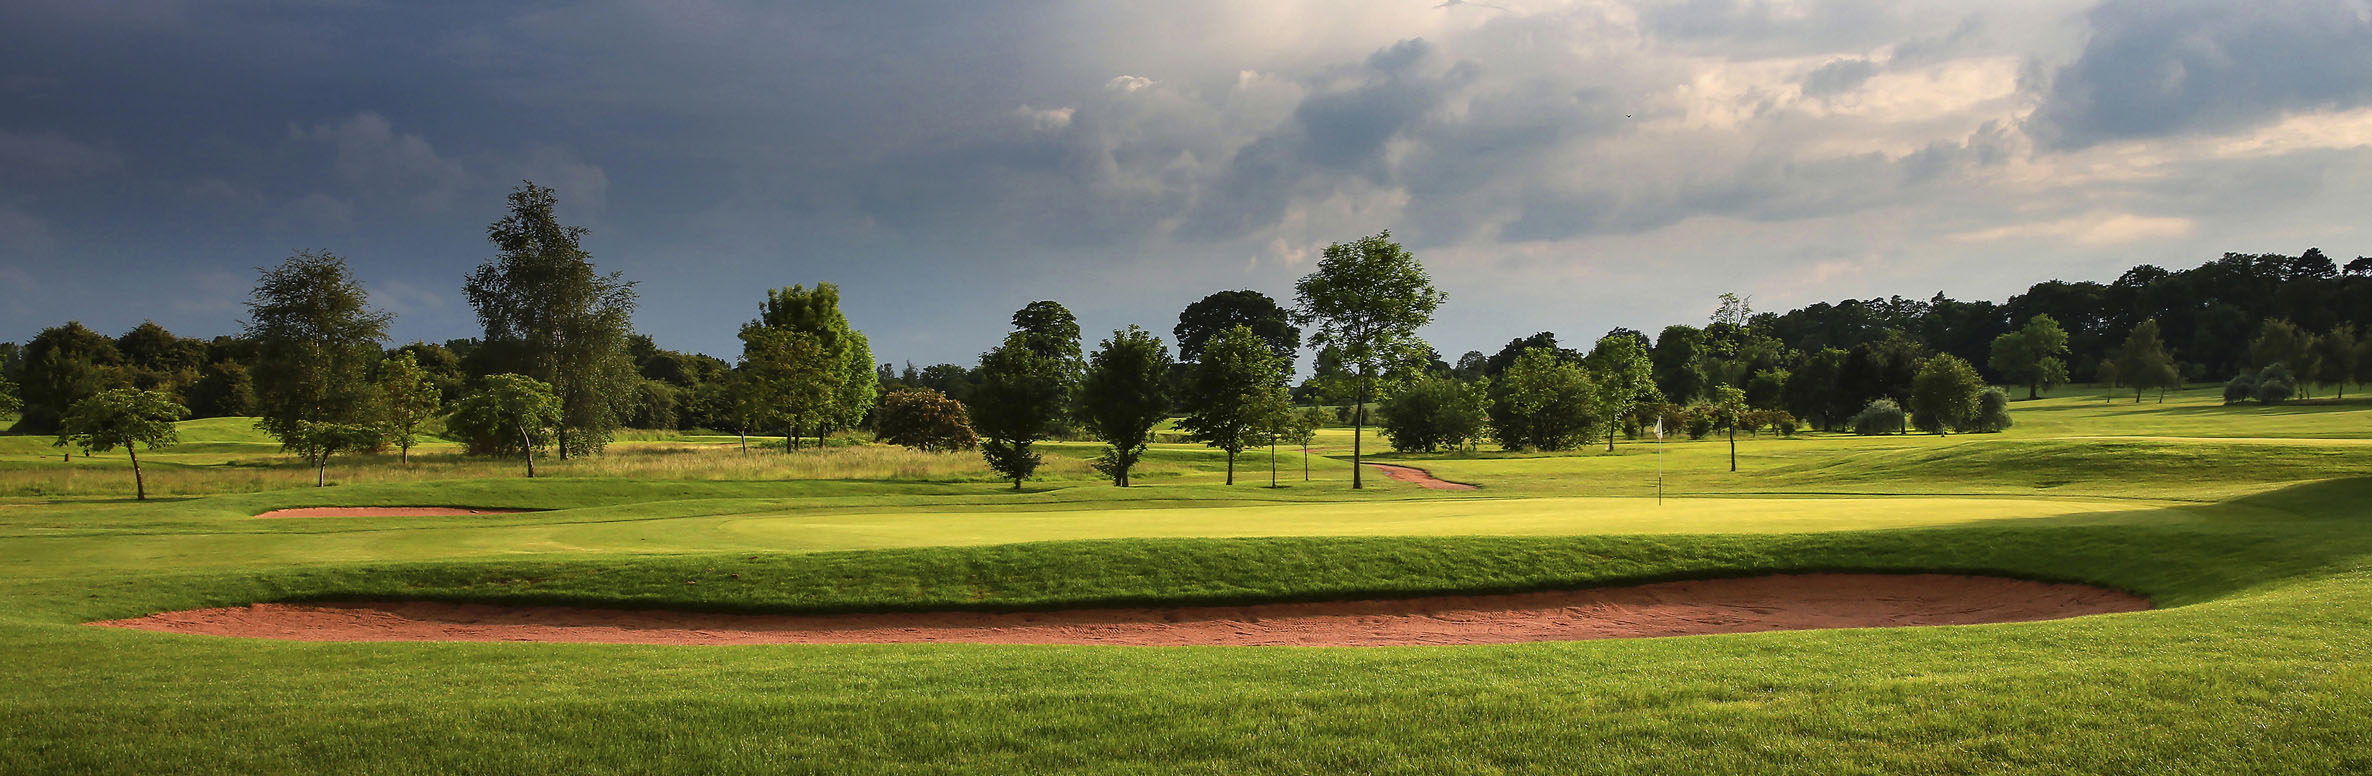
(1235, 395)
(1544, 402)
(551, 316)
(1020, 396)
(1882, 416)
(316, 339)
(1434, 413)
(509, 415)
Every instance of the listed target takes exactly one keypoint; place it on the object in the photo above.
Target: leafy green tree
(9, 403)
(1233, 393)
(732, 402)
(60, 366)
(1544, 403)
(1365, 303)
(1729, 412)
(1945, 393)
(2143, 363)
(817, 313)
(925, 420)
(2242, 387)
(1625, 377)
(126, 418)
(796, 376)
(1814, 390)
(1124, 395)
(2033, 356)
(1224, 310)
(2275, 384)
(1435, 413)
(316, 340)
(550, 316)
(1993, 411)
(1017, 400)
(409, 398)
(2334, 357)
(1678, 362)
(509, 413)
(1303, 428)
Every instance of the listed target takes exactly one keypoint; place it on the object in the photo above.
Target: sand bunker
(1420, 477)
(1790, 602)
(389, 512)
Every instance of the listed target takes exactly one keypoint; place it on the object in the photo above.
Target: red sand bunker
(388, 512)
(1791, 602)
(1423, 479)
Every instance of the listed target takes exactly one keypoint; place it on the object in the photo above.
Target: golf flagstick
(1659, 461)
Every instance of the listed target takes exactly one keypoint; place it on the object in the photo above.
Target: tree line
(559, 368)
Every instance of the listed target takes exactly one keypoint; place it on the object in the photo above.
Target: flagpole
(1659, 462)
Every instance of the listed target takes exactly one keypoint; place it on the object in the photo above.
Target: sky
(1567, 167)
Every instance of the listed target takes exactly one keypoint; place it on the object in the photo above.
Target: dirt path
(388, 512)
(1419, 477)
(1790, 602)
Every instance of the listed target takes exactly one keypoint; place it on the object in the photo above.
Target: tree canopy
(1209, 316)
(1019, 398)
(316, 340)
(126, 418)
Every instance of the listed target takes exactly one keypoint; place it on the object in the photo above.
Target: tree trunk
(321, 471)
(404, 454)
(563, 443)
(527, 443)
(1733, 447)
(1272, 463)
(1231, 467)
(744, 440)
(139, 483)
(1305, 458)
(2030, 391)
(1358, 429)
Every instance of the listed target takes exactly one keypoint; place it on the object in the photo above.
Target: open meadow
(2247, 528)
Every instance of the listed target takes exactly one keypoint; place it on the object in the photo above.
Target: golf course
(2243, 533)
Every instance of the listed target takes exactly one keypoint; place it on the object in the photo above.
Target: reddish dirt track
(1419, 477)
(387, 512)
(1790, 602)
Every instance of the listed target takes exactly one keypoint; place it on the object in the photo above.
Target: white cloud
(2097, 229)
(375, 159)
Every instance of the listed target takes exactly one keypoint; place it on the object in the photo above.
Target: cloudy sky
(1558, 166)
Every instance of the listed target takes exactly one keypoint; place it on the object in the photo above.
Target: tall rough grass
(652, 460)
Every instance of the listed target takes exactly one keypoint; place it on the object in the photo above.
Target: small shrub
(1785, 422)
(1699, 420)
(1880, 417)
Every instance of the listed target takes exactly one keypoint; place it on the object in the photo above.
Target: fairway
(2255, 553)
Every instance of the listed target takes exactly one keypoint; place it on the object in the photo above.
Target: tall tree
(1124, 395)
(1625, 378)
(126, 418)
(9, 403)
(1233, 393)
(1366, 302)
(316, 340)
(410, 398)
(2142, 362)
(817, 313)
(550, 316)
(1018, 399)
(2033, 356)
(1224, 310)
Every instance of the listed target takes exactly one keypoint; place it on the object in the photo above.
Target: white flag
(1659, 428)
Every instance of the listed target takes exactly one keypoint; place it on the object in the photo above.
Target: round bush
(2242, 387)
(1880, 417)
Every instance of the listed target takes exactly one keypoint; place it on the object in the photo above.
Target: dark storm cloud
(1839, 75)
(2156, 68)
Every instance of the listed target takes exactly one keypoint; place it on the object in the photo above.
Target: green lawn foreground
(2257, 551)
